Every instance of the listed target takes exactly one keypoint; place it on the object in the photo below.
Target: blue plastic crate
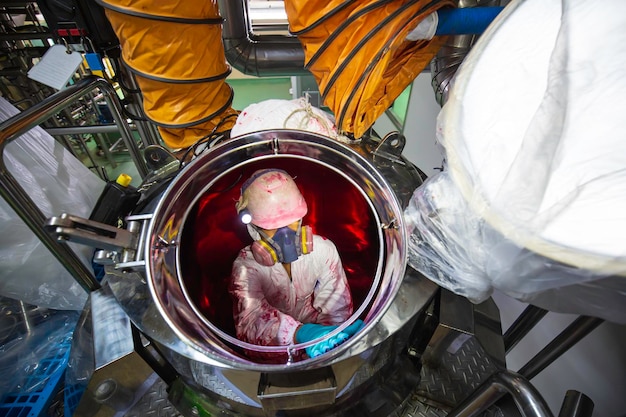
(46, 378)
(73, 394)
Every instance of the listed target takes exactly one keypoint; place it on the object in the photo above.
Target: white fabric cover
(533, 198)
(297, 114)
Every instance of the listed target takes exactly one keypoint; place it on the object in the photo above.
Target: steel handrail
(522, 325)
(528, 400)
(19, 200)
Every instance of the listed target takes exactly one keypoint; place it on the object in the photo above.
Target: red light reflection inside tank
(214, 234)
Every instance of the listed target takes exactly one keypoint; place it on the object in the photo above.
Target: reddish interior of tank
(213, 233)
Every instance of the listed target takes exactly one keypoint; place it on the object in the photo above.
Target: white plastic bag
(296, 114)
(57, 182)
(533, 199)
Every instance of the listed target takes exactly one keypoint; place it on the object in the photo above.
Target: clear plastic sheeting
(33, 345)
(533, 198)
(57, 182)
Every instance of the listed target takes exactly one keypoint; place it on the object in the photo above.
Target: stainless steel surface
(580, 328)
(522, 325)
(456, 325)
(451, 377)
(161, 162)
(447, 61)
(122, 247)
(154, 403)
(392, 392)
(386, 155)
(225, 380)
(87, 232)
(375, 364)
(233, 380)
(526, 397)
(265, 55)
(576, 404)
(163, 251)
(132, 292)
(463, 351)
(112, 333)
(81, 130)
(292, 391)
(120, 377)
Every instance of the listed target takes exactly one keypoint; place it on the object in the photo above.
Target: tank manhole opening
(214, 234)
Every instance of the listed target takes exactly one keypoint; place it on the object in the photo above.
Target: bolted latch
(122, 247)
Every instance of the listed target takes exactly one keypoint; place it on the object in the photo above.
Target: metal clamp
(122, 247)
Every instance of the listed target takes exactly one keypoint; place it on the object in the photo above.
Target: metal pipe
(576, 404)
(26, 36)
(447, 61)
(266, 55)
(522, 325)
(17, 3)
(115, 108)
(529, 402)
(580, 328)
(28, 325)
(19, 200)
(15, 195)
(39, 113)
(82, 130)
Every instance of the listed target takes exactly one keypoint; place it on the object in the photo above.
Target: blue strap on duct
(465, 21)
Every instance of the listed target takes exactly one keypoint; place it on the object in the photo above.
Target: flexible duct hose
(174, 48)
(359, 55)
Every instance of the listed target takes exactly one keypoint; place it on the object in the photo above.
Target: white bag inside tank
(297, 114)
(57, 182)
(533, 199)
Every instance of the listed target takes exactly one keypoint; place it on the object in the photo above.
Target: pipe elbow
(265, 57)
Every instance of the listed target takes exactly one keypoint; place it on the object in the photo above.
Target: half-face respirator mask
(285, 246)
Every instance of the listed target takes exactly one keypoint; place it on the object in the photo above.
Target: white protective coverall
(269, 306)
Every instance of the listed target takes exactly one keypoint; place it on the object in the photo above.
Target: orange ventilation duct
(359, 55)
(174, 48)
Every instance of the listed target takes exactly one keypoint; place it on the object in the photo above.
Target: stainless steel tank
(173, 285)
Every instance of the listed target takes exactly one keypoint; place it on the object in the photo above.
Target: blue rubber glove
(311, 331)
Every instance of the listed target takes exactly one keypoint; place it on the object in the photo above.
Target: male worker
(288, 286)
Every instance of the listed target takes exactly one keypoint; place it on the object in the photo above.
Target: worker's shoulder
(244, 256)
(323, 243)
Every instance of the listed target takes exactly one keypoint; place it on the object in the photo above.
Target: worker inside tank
(289, 285)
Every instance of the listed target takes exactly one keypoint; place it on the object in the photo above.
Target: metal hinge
(122, 247)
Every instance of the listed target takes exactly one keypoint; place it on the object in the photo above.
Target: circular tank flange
(194, 236)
